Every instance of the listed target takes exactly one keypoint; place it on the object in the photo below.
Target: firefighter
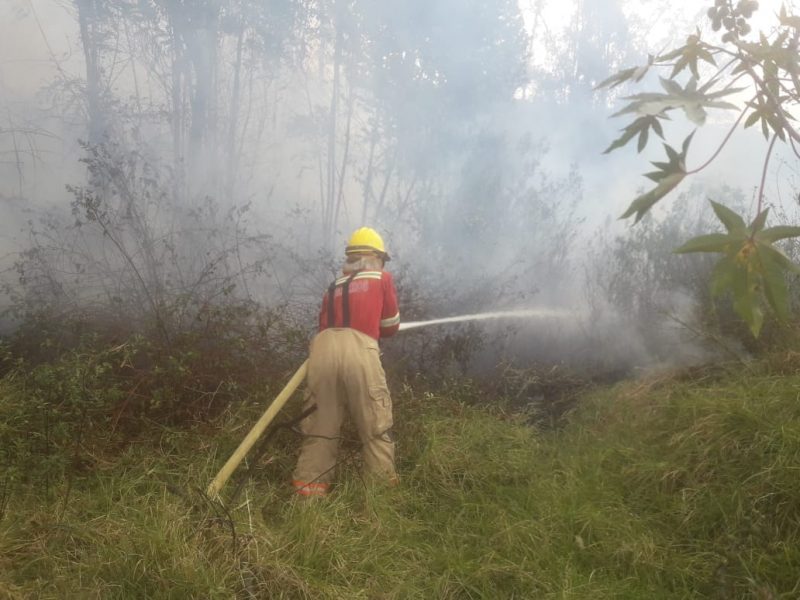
(344, 368)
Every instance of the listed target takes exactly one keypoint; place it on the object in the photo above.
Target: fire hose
(252, 437)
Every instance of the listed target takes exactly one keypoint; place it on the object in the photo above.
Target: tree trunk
(368, 177)
(345, 159)
(232, 156)
(330, 196)
(88, 23)
(201, 42)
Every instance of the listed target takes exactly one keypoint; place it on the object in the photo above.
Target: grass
(672, 487)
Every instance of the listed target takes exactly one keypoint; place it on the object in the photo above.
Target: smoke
(467, 132)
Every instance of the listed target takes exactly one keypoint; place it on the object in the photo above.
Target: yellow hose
(227, 470)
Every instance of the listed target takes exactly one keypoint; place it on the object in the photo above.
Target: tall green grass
(672, 487)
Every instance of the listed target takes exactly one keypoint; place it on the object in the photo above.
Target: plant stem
(721, 146)
(764, 174)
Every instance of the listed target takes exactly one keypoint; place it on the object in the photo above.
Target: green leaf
(776, 125)
(770, 69)
(712, 242)
(745, 300)
(633, 73)
(781, 232)
(627, 135)
(720, 93)
(688, 56)
(691, 100)
(733, 222)
(668, 175)
(666, 167)
(752, 118)
(638, 127)
(772, 274)
(642, 140)
(706, 56)
(671, 87)
(671, 55)
(723, 105)
(672, 154)
(759, 222)
(686, 143)
(779, 257)
(645, 202)
(617, 78)
(657, 126)
(680, 65)
(725, 271)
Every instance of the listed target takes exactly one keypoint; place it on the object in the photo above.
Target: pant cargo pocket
(381, 410)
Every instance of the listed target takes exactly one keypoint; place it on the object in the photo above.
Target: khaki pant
(344, 376)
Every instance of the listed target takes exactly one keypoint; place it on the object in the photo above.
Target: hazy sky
(39, 37)
(34, 32)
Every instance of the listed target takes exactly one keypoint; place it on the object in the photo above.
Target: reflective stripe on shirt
(390, 321)
(361, 275)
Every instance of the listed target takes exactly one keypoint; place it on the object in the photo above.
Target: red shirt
(371, 304)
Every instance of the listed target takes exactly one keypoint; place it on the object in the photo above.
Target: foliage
(76, 389)
(661, 303)
(130, 259)
(638, 273)
(170, 287)
(45, 436)
(767, 73)
(668, 176)
(751, 264)
(679, 486)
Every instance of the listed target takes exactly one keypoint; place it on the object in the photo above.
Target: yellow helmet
(366, 239)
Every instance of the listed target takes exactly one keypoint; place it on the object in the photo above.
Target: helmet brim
(367, 250)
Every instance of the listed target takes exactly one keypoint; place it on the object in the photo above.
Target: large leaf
(733, 222)
(779, 257)
(669, 174)
(633, 73)
(745, 300)
(688, 56)
(690, 99)
(753, 270)
(759, 222)
(725, 271)
(616, 79)
(773, 277)
(781, 232)
(645, 202)
(712, 242)
(640, 127)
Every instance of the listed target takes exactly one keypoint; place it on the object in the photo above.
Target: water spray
(541, 313)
